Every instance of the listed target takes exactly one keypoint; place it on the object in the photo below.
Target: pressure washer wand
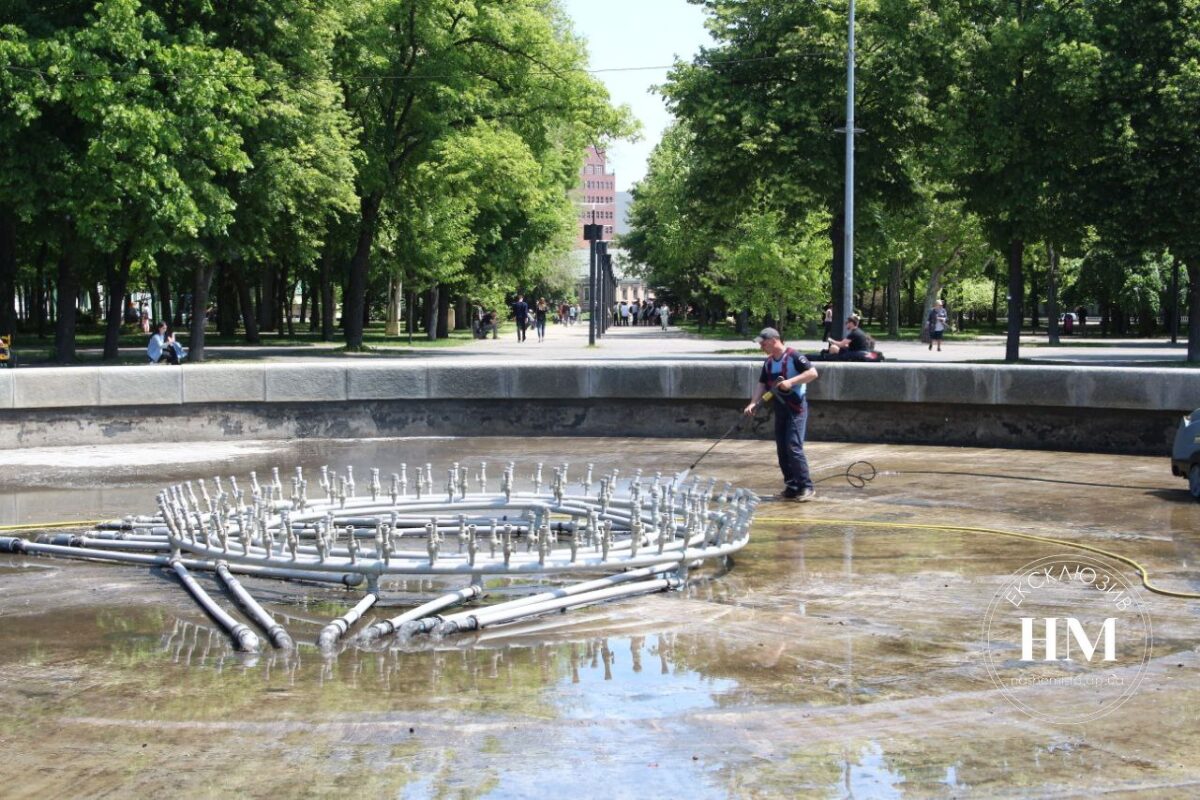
(766, 396)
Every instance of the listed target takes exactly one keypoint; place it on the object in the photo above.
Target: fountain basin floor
(833, 660)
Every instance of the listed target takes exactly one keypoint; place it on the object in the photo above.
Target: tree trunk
(1016, 291)
(443, 317)
(462, 319)
(327, 309)
(893, 297)
(1033, 300)
(283, 300)
(117, 279)
(995, 299)
(911, 306)
(181, 303)
(227, 302)
(164, 297)
(202, 280)
(1193, 270)
(266, 306)
(314, 310)
(431, 314)
(39, 295)
(246, 302)
(1052, 293)
(291, 319)
(395, 300)
(8, 273)
(68, 294)
(355, 299)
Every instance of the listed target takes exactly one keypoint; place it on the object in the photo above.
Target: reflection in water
(869, 775)
(590, 677)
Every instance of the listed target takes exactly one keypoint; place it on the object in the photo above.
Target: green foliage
(972, 296)
(767, 266)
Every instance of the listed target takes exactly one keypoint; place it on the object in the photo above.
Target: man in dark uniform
(786, 374)
(521, 315)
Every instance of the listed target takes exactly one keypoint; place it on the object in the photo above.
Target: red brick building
(596, 192)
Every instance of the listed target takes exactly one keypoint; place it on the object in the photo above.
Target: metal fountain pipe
(520, 564)
(469, 620)
(336, 629)
(279, 636)
(88, 554)
(241, 633)
(574, 601)
(389, 626)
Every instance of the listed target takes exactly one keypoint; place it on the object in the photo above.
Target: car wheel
(1194, 481)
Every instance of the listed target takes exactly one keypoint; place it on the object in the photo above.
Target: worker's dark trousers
(789, 446)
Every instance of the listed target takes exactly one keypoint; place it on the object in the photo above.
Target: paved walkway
(649, 343)
(571, 342)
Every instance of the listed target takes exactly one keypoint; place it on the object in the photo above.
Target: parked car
(1185, 454)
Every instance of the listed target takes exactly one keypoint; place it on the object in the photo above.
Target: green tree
(1017, 114)
(432, 68)
(766, 102)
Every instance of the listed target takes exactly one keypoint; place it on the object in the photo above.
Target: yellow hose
(995, 532)
(41, 526)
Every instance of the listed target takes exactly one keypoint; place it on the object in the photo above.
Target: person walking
(786, 374)
(663, 313)
(827, 322)
(539, 318)
(938, 320)
(520, 311)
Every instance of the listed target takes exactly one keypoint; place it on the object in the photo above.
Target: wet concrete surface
(835, 658)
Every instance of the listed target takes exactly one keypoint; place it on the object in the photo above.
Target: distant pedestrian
(539, 318)
(520, 311)
(938, 321)
(663, 313)
(827, 322)
(572, 314)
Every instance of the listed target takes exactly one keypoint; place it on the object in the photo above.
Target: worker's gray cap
(766, 333)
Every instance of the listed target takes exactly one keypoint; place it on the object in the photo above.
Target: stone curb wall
(107, 404)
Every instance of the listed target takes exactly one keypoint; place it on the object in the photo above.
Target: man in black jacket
(521, 315)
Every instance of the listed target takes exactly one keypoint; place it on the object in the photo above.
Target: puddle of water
(833, 660)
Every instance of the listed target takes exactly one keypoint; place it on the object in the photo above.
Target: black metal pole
(592, 297)
(1174, 323)
(609, 285)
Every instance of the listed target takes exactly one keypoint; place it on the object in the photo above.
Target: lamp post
(848, 256)
(610, 288)
(592, 233)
